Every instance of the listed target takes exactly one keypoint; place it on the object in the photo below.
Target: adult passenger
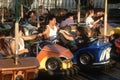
(69, 20)
(51, 31)
(81, 38)
(32, 19)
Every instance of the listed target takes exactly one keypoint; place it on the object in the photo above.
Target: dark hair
(69, 14)
(50, 17)
(5, 49)
(13, 30)
(2, 34)
(83, 32)
(30, 12)
(89, 12)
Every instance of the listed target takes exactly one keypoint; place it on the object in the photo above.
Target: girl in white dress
(91, 23)
(21, 44)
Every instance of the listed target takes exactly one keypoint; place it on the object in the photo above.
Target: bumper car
(5, 28)
(93, 55)
(29, 29)
(114, 39)
(54, 58)
(115, 31)
(117, 45)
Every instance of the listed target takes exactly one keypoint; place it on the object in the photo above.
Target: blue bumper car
(94, 55)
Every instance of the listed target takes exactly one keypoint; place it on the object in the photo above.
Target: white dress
(21, 45)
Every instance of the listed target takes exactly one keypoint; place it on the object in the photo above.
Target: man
(69, 20)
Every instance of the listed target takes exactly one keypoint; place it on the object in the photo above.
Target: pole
(37, 7)
(105, 18)
(16, 42)
(78, 12)
(17, 16)
(22, 15)
(48, 4)
(2, 20)
(7, 2)
(55, 4)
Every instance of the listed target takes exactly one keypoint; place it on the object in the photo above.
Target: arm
(66, 35)
(46, 33)
(12, 46)
(23, 51)
(29, 37)
(95, 22)
(58, 27)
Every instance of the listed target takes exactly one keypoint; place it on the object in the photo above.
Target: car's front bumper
(67, 68)
(63, 72)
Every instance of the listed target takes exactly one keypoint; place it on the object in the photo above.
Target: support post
(105, 18)
(16, 42)
(78, 12)
(2, 14)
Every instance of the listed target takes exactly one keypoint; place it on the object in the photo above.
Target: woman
(21, 39)
(69, 20)
(92, 25)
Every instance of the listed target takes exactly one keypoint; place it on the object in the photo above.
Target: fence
(67, 4)
(100, 4)
(49, 4)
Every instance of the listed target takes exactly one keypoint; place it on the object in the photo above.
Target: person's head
(20, 31)
(69, 15)
(90, 13)
(2, 34)
(2, 39)
(41, 9)
(52, 19)
(3, 45)
(100, 13)
(82, 31)
(31, 14)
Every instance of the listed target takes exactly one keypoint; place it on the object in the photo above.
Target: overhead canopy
(113, 1)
